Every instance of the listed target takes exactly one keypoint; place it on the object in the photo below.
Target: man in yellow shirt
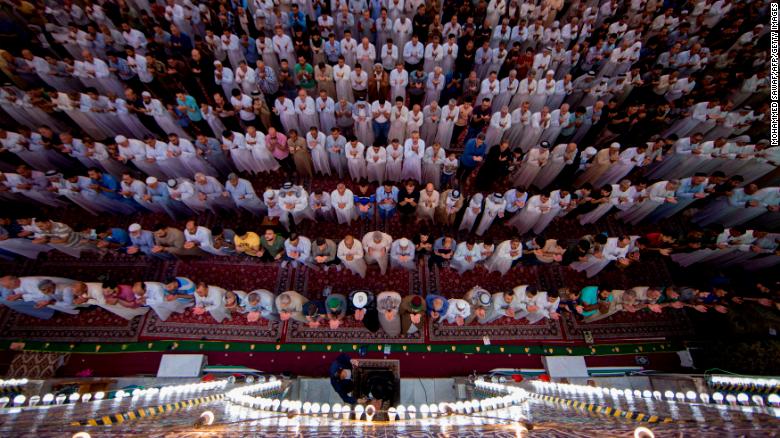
(247, 242)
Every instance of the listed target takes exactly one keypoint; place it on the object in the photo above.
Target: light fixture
(705, 398)
(206, 418)
(315, 408)
(120, 394)
(325, 409)
(74, 397)
(669, 395)
(773, 399)
(731, 398)
(657, 395)
(743, 398)
(48, 398)
(60, 399)
(100, 395)
(412, 412)
(647, 394)
(34, 400)
(718, 397)
(86, 397)
(401, 410)
(336, 410)
(307, 408)
(19, 400)
(4, 401)
(81, 435)
(690, 395)
(370, 412)
(758, 400)
(392, 413)
(643, 432)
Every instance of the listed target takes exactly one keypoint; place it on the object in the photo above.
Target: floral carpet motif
(623, 325)
(91, 325)
(187, 325)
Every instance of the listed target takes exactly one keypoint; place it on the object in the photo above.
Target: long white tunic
(492, 210)
(343, 205)
(357, 265)
(502, 259)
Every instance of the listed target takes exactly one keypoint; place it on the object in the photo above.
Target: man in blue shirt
(104, 183)
(249, 49)
(140, 240)
(297, 18)
(473, 154)
(386, 199)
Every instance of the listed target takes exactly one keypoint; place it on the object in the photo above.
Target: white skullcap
(146, 94)
(120, 139)
(151, 180)
(134, 227)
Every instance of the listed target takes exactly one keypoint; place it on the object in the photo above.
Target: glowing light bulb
(647, 394)
(718, 397)
(325, 409)
(401, 410)
(690, 395)
(731, 398)
(412, 412)
(392, 413)
(742, 398)
(100, 395)
(86, 397)
(315, 408)
(705, 398)
(207, 418)
(19, 400)
(48, 398)
(60, 399)
(370, 412)
(669, 395)
(34, 400)
(758, 400)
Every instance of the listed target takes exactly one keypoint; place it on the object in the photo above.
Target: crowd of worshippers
(725, 247)
(560, 72)
(708, 199)
(42, 297)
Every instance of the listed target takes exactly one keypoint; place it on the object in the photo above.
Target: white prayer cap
(151, 180)
(615, 145)
(404, 242)
(134, 228)
(172, 183)
(146, 94)
(550, 72)
(270, 194)
(359, 299)
(120, 139)
(483, 298)
(455, 194)
(217, 63)
(476, 200)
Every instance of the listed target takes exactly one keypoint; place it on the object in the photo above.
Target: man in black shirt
(420, 23)
(407, 201)
(480, 117)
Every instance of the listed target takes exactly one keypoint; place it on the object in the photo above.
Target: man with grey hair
(50, 294)
(388, 304)
(376, 245)
(243, 194)
(402, 254)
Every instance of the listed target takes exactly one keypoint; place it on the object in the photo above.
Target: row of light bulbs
(48, 399)
(13, 382)
(241, 396)
(758, 382)
(670, 396)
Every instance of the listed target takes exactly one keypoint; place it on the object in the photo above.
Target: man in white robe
(295, 201)
(458, 310)
(402, 254)
(376, 160)
(343, 201)
(153, 295)
(466, 256)
(414, 150)
(197, 236)
(210, 299)
(350, 252)
(356, 161)
(545, 305)
(500, 122)
(506, 255)
(495, 206)
(504, 304)
(377, 246)
(297, 250)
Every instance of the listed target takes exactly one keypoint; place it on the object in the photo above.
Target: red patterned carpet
(242, 274)
(91, 325)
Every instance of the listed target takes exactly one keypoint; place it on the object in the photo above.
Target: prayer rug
(187, 325)
(312, 282)
(90, 325)
(623, 325)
